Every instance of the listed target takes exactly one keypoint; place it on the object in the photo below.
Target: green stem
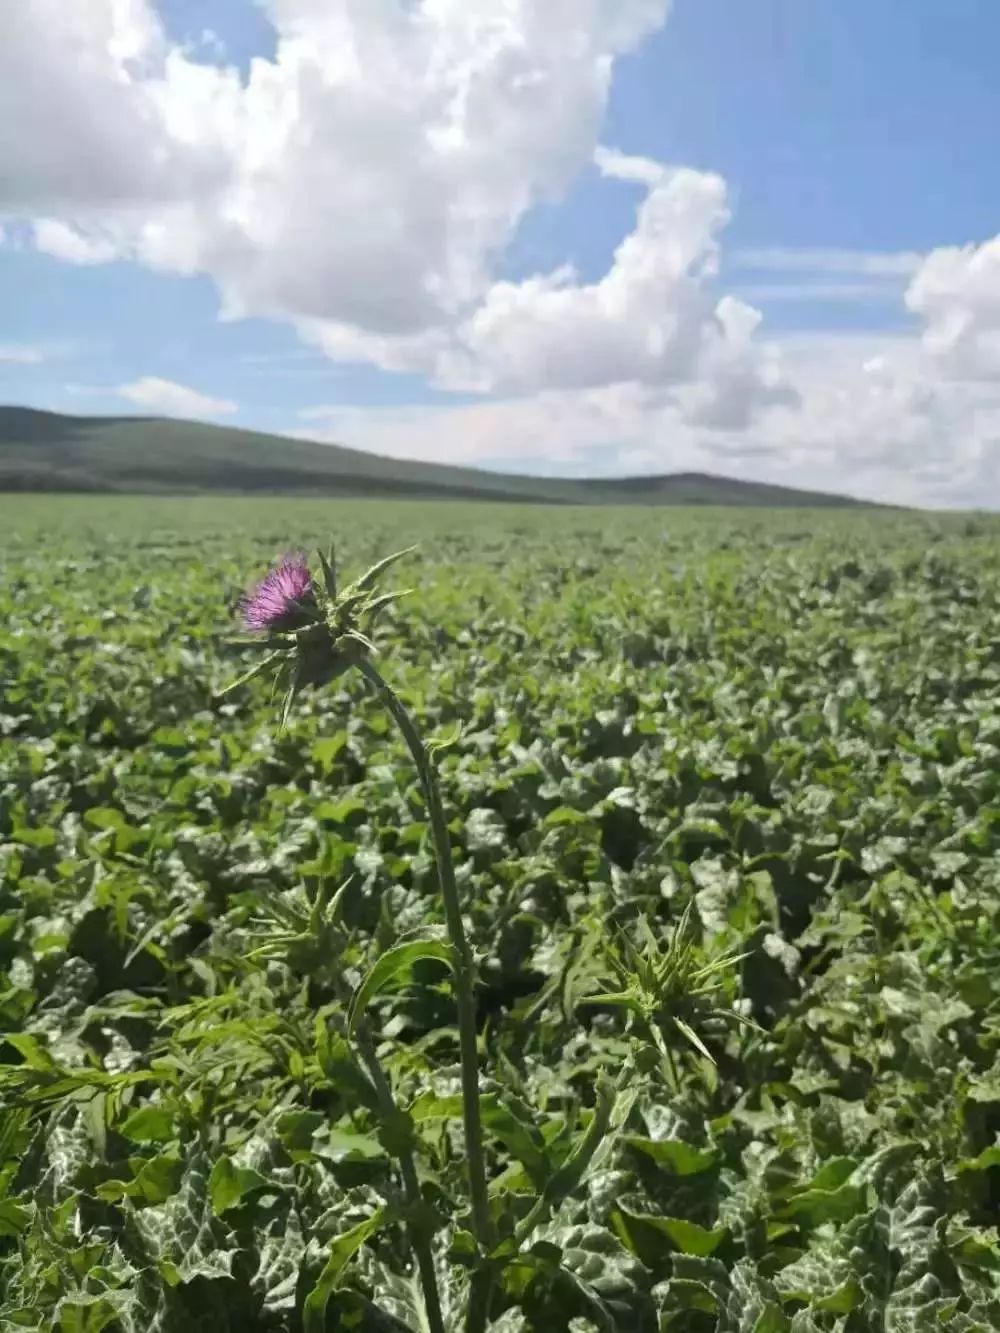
(411, 1182)
(465, 997)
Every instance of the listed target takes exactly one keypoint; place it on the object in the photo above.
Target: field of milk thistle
(602, 935)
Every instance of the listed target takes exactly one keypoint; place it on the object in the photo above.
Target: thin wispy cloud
(872, 263)
(771, 292)
(13, 355)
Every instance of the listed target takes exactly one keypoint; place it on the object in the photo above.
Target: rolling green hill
(44, 451)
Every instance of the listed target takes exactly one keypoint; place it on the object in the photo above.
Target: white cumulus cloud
(369, 174)
(871, 420)
(364, 183)
(956, 292)
(62, 242)
(85, 109)
(164, 397)
(652, 318)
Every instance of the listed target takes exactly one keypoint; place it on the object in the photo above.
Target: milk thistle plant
(310, 631)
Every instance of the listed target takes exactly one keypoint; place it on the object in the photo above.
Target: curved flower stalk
(311, 634)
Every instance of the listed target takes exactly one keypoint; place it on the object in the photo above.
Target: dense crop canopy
(729, 780)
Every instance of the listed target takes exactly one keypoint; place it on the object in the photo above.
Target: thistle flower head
(313, 630)
(281, 601)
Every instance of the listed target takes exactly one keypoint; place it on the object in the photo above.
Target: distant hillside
(43, 451)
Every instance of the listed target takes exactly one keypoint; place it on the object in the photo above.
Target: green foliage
(737, 775)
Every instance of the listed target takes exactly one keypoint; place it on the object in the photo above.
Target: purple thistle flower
(282, 600)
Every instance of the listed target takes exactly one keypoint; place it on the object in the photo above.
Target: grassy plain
(790, 720)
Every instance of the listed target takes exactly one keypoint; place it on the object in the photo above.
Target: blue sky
(833, 153)
(837, 124)
(861, 124)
